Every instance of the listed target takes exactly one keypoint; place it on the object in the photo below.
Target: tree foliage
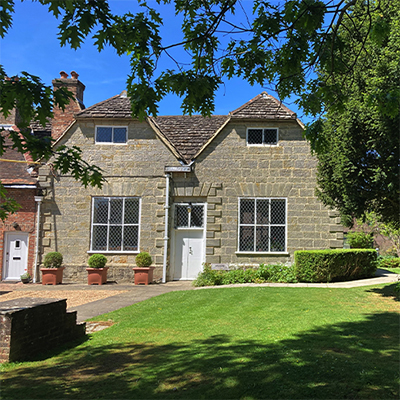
(281, 43)
(358, 154)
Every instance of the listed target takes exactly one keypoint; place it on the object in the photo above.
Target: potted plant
(97, 271)
(25, 277)
(143, 270)
(52, 273)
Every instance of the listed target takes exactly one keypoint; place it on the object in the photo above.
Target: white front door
(189, 254)
(188, 247)
(16, 255)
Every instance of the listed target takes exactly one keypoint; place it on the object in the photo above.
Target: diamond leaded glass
(189, 216)
(115, 224)
(262, 225)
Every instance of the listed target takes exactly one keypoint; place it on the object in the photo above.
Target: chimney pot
(74, 75)
(63, 75)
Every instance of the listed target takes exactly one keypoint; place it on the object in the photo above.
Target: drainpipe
(166, 208)
(38, 200)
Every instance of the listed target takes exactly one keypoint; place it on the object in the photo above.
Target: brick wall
(30, 326)
(25, 217)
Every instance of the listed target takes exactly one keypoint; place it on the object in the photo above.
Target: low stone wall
(29, 326)
(119, 274)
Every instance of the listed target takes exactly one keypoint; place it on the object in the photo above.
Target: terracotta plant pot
(52, 276)
(97, 276)
(143, 275)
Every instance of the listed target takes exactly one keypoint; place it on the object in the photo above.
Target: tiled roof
(188, 134)
(263, 106)
(116, 107)
(14, 172)
(40, 130)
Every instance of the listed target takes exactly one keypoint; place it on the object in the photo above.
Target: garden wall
(29, 326)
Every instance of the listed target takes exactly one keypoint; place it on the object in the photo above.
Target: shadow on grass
(346, 360)
(386, 291)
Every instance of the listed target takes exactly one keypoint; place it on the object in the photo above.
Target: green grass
(229, 343)
(395, 270)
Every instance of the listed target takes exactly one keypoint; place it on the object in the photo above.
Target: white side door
(189, 254)
(16, 255)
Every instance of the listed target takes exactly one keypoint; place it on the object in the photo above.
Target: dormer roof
(263, 107)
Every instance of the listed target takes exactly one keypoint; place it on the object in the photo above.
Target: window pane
(119, 135)
(247, 211)
(100, 211)
(278, 212)
(246, 238)
(131, 238)
(181, 216)
(262, 238)
(116, 211)
(115, 238)
(270, 136)
(131, 211)
(278, 238)
(254, 136)
(196, 218)
(99, 241)
(262, 211)
(104, 134)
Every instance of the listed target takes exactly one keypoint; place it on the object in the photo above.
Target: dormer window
(262, 136)
(111, 134)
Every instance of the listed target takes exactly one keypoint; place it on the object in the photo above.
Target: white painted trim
(173, 236)
(91, 225)
(262, 144)
(285, 225)
(112, 135)
(264, 253)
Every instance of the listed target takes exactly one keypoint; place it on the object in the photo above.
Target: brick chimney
(62, 119)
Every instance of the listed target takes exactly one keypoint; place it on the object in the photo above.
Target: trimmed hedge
(329, 265)
(53, 259)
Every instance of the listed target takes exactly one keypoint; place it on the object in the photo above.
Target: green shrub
(388, 262)
(53, 260)
(329, 265)
(208, 277)
(265, 273)
(143, 259)
(360, 240)
(276, 273)
(97, 261)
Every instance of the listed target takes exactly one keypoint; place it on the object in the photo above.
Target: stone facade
(224, 171)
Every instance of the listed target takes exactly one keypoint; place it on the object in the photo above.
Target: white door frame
(6, 256)
(175, 230)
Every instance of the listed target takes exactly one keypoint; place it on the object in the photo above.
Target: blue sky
(31, 45)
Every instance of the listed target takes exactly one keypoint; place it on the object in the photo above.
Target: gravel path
(74, 297)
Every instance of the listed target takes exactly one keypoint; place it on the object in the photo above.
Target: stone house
(236, 189)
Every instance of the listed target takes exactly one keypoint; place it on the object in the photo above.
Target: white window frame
(284, 252)
(262, 144)
(92, 224)
(186, 204)
(112, 134)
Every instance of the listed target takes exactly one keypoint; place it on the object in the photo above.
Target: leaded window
(188, 215)
(260, 136)
(115, 224)
(111, 134)
(262, 225)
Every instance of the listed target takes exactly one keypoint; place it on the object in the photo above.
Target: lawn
(229, 343)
